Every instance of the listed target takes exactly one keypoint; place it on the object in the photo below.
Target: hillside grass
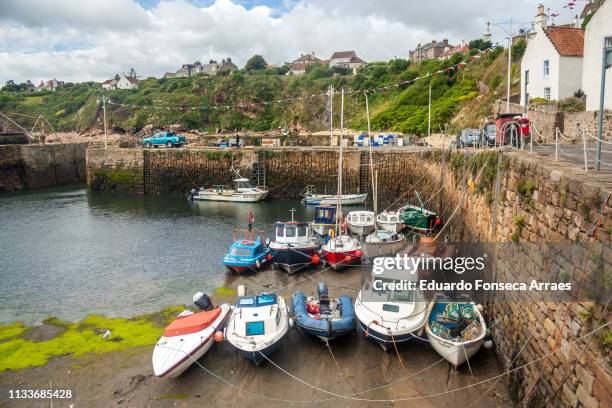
(261, 102)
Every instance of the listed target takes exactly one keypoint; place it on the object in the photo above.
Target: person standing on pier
(250, 221)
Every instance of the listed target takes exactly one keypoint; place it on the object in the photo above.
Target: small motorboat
(188, 337)
(390, 317)
(257, 324)
(242, 191)
(419, 220)
(390, 221)
(360, 222)
(324, 219)
(312, 198)
(382, 242)
(324, 317)
(294, 249)
(247, 254)
(342, 251)
(456, 329)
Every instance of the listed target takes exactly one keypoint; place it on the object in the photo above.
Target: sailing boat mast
(374, 186)
(339, 201)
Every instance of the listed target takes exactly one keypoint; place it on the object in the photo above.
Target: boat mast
(339, 202)
(374, 186)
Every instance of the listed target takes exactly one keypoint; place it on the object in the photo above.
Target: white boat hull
(391, 227)
(328, 199)
(235, 197)
(360, 229)
(373, 249)
(173, 355)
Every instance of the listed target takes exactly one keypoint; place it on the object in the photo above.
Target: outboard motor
(323, 298)
(193, 193)
(202, 300)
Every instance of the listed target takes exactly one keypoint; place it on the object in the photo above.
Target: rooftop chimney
(541, 18)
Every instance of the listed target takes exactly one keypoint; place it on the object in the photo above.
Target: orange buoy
(358, 253)
(315, 259)
(269, 257)
(438, 221)
(218, 336)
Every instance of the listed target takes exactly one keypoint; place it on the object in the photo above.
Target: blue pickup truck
(168, 139)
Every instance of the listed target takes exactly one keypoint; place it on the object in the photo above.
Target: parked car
(469, 137)
(168, 139)
(230, 142)
(490, 131)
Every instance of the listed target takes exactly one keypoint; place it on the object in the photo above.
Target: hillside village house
(597, 29)
(462, 48)
(298, 66)
(552, 64)
(188, 70)
(346, 60)
(122, 81)
(50, 85)
(431, 50)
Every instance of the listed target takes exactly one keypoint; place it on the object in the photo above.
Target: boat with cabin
(360, 222)
(322, 316)
(390, 221)
(188, 337)
(242, 191)
(420, 220)
(455, 328)
(324, 219)
(382, 242)
(294, 248)
(248, 253)
(257, 324)
(390, 313)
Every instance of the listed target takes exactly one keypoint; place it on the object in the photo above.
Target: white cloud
(79, 41)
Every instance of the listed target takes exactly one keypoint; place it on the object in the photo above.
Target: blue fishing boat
(247, 254)
(324, 317)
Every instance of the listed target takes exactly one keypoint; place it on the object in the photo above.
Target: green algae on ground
(84, 337)
(11, 330)
(172, 396)
(223, 291)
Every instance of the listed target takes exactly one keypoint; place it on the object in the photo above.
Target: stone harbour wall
(35, 166)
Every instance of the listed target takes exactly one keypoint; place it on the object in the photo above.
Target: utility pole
(429, 113)
(104, 117)
(509, 66)
(605, 64)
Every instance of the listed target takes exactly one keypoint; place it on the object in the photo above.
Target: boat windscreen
(266, 299)
(302, 231)
(246, 301)
(290, 232)
(240, 252)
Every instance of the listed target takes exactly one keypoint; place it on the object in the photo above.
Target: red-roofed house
(462, 48)
(552, 64)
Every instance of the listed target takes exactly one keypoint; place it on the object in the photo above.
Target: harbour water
(67, 252)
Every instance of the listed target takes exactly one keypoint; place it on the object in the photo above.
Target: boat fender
(331, 233)
(268, 243)
(269, 257)
(219, 336)
(291, 322)
(315, 259)
(258, 263)
(488, 344)
(241, 290)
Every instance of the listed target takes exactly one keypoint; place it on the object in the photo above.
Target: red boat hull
(338, 260)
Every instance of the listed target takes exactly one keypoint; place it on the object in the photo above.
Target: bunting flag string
(242, 105)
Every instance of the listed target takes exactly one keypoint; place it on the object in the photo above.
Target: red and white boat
(342, 251)
(187, 339)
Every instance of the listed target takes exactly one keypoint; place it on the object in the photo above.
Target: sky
(76, 40)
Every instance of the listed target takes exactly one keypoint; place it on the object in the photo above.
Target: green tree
(518, 50)
(480, 44)
(256, 63)
(398, 65)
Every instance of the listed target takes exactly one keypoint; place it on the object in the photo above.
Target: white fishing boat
(312, 198)
(242, 191)
(390, 221)
(391, 317)
(188, 337)
(456, 329)
(360, 222)
(382, 242)
(257, 324)
(294, 248)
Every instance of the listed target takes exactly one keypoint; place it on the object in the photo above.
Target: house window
(547, 94)
(546, 67)
(526, 77)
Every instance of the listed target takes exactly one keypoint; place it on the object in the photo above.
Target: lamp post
(606, 62)
(510, 33)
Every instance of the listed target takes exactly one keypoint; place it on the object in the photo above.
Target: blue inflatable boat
(324, 317)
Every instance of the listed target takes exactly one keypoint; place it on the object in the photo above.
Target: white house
(552, 64)
(121, 82)
(346, 59)
(598, 28)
